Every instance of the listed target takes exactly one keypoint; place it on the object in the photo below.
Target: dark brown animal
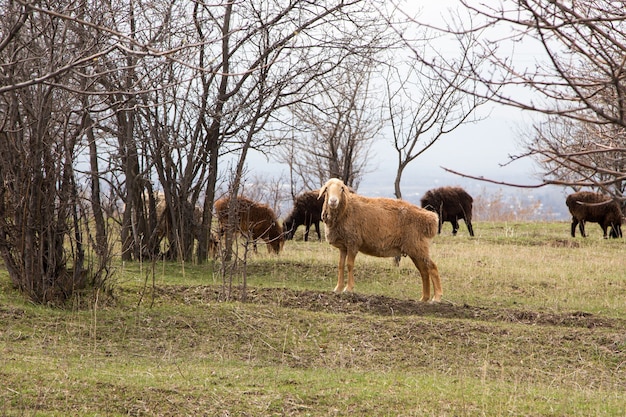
(307, 211)
(256, 221)
(383, 227)
(451, 204)
(587, 206)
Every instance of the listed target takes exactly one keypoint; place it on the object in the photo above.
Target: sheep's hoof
(436, 299)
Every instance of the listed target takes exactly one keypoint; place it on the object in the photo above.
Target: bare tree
(335, 128)
(144, 97)
(43, 225)
(423, 108)
(578, 74)
(265, 54)
(579, 154)
(270, 55)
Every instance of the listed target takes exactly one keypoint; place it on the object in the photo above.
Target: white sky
(477, 149)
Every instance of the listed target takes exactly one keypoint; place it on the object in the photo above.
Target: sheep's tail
(431, 224)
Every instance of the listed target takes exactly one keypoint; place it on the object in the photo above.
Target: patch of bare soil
(10, 313)
(385, 306)
(564, 243)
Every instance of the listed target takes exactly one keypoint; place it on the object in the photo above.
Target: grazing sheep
(451, 204)
(161, 214)
(307, 211)
(256, 221)
(163, 222)
(382, 227)
(587, 206)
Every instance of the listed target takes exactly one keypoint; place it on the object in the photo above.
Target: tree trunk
(101, 247)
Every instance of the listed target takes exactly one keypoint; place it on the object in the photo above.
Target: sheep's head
(334, 191)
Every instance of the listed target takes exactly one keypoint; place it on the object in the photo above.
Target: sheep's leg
(434, 276)
(342, 263)
(581, 226)
(307, 222)
(616, 230)
(574, 224)
(350, 286)
(455, 226)
(428, 270)
(317, 230)
(470, 229)
(604, 231)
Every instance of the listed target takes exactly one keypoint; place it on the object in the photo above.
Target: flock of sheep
(386, 227)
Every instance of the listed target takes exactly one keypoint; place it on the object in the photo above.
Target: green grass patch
(532, 322)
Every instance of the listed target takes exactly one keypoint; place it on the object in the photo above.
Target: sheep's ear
(322, 192)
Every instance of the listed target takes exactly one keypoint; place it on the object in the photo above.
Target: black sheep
(307, 210)
(451, 204)
(587, 206)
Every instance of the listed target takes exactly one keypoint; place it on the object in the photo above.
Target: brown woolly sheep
(451, 204)
(382, 227)
(587, 206)
(256, 221)
(307, 211)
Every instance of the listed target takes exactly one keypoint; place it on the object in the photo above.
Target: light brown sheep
(382, 227)
(256, 221)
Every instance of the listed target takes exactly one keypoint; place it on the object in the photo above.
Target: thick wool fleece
(256, 220)
(382, 227)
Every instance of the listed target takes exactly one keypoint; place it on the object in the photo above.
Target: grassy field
(532, 323)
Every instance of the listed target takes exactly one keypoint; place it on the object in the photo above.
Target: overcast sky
(478, 149)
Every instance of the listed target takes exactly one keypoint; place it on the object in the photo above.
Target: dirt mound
(348, 303)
